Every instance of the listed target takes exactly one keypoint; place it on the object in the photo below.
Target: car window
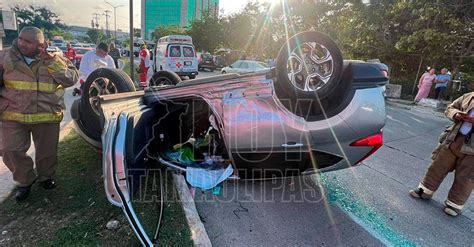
(244, 65)
(175, 51)
(188, 51)
(236, 64)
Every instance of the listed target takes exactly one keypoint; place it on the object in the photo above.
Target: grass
(126, 69)
(77, 211)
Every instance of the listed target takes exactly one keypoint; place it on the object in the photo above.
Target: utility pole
(96, 18)
(132, 70)
(107, 22)
(115, 19)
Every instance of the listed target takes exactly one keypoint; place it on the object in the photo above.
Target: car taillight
(374, 141)
(385, 73)
(166, 53)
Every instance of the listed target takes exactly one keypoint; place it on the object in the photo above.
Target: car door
(235, 67)
(123, 145)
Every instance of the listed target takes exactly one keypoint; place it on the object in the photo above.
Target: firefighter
(455, 152)
(31, 105)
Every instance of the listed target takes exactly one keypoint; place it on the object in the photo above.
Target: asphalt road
(367, 205)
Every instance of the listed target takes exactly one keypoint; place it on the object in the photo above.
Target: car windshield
(206, 56)
(260, 64)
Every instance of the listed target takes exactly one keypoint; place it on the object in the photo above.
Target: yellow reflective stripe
(33, 86)
(32, 118)
(56, 66)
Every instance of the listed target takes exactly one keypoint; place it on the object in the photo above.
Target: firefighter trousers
(448, 160)
(17, 141)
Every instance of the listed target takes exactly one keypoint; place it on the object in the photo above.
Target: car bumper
(187, 73)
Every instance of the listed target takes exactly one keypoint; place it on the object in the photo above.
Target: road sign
(9, 20)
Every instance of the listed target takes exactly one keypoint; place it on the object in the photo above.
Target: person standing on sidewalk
(115, 54)
(31, 104)
(454, 153)
(441, 83)
(424, 85)
(144, 64)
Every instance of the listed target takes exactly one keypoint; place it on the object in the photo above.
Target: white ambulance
(176, 53)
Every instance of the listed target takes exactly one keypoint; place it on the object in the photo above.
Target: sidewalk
(429, 106)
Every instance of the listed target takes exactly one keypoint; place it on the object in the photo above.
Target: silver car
(314, 112)
(245, 66)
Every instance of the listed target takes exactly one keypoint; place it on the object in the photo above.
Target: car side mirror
(230, 66)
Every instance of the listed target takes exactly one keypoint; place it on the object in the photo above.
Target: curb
(198, 232)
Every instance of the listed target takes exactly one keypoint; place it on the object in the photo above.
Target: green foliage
(207, 33)
(40, 17)
(65, 35)
(96, 36)
(162, 31)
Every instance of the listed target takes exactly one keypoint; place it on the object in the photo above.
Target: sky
(79, 12)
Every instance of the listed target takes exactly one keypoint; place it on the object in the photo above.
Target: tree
(40, 17)
(206, 33)
(162, 31)
(95, 35)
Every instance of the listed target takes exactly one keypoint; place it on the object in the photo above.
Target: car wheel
(164, 77)
(192, 77)
(309, 64)
(212, 70)
(101, 81)
(223, 72)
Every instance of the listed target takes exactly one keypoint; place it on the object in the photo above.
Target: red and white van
(176, 53)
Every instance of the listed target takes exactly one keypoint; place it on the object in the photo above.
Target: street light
(115, 18)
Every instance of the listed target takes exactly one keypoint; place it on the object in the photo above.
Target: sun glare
(272, 2)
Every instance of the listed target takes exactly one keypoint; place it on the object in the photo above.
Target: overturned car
(314, 112)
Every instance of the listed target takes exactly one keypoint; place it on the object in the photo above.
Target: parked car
(313, 113)
(80, 53)
(54, 49)
(245, 66)
(206, 61)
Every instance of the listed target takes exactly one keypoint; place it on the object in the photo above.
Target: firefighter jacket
(33, 93)
(463, 104)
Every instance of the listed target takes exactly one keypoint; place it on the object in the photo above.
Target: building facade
(181, 13)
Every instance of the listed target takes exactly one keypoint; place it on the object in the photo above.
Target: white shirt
(466, 126)
(90, 62)
(28, 60)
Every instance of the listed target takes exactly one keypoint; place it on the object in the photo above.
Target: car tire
(90, 115)
(164, 77)
(223, 72)
(313, 104)
(191, 77)
(212, 70)
(309, 51)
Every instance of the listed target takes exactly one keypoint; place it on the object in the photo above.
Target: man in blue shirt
(441, 83)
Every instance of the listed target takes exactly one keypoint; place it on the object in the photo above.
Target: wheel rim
(100, 86)
(161, 81)
(310, 66)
